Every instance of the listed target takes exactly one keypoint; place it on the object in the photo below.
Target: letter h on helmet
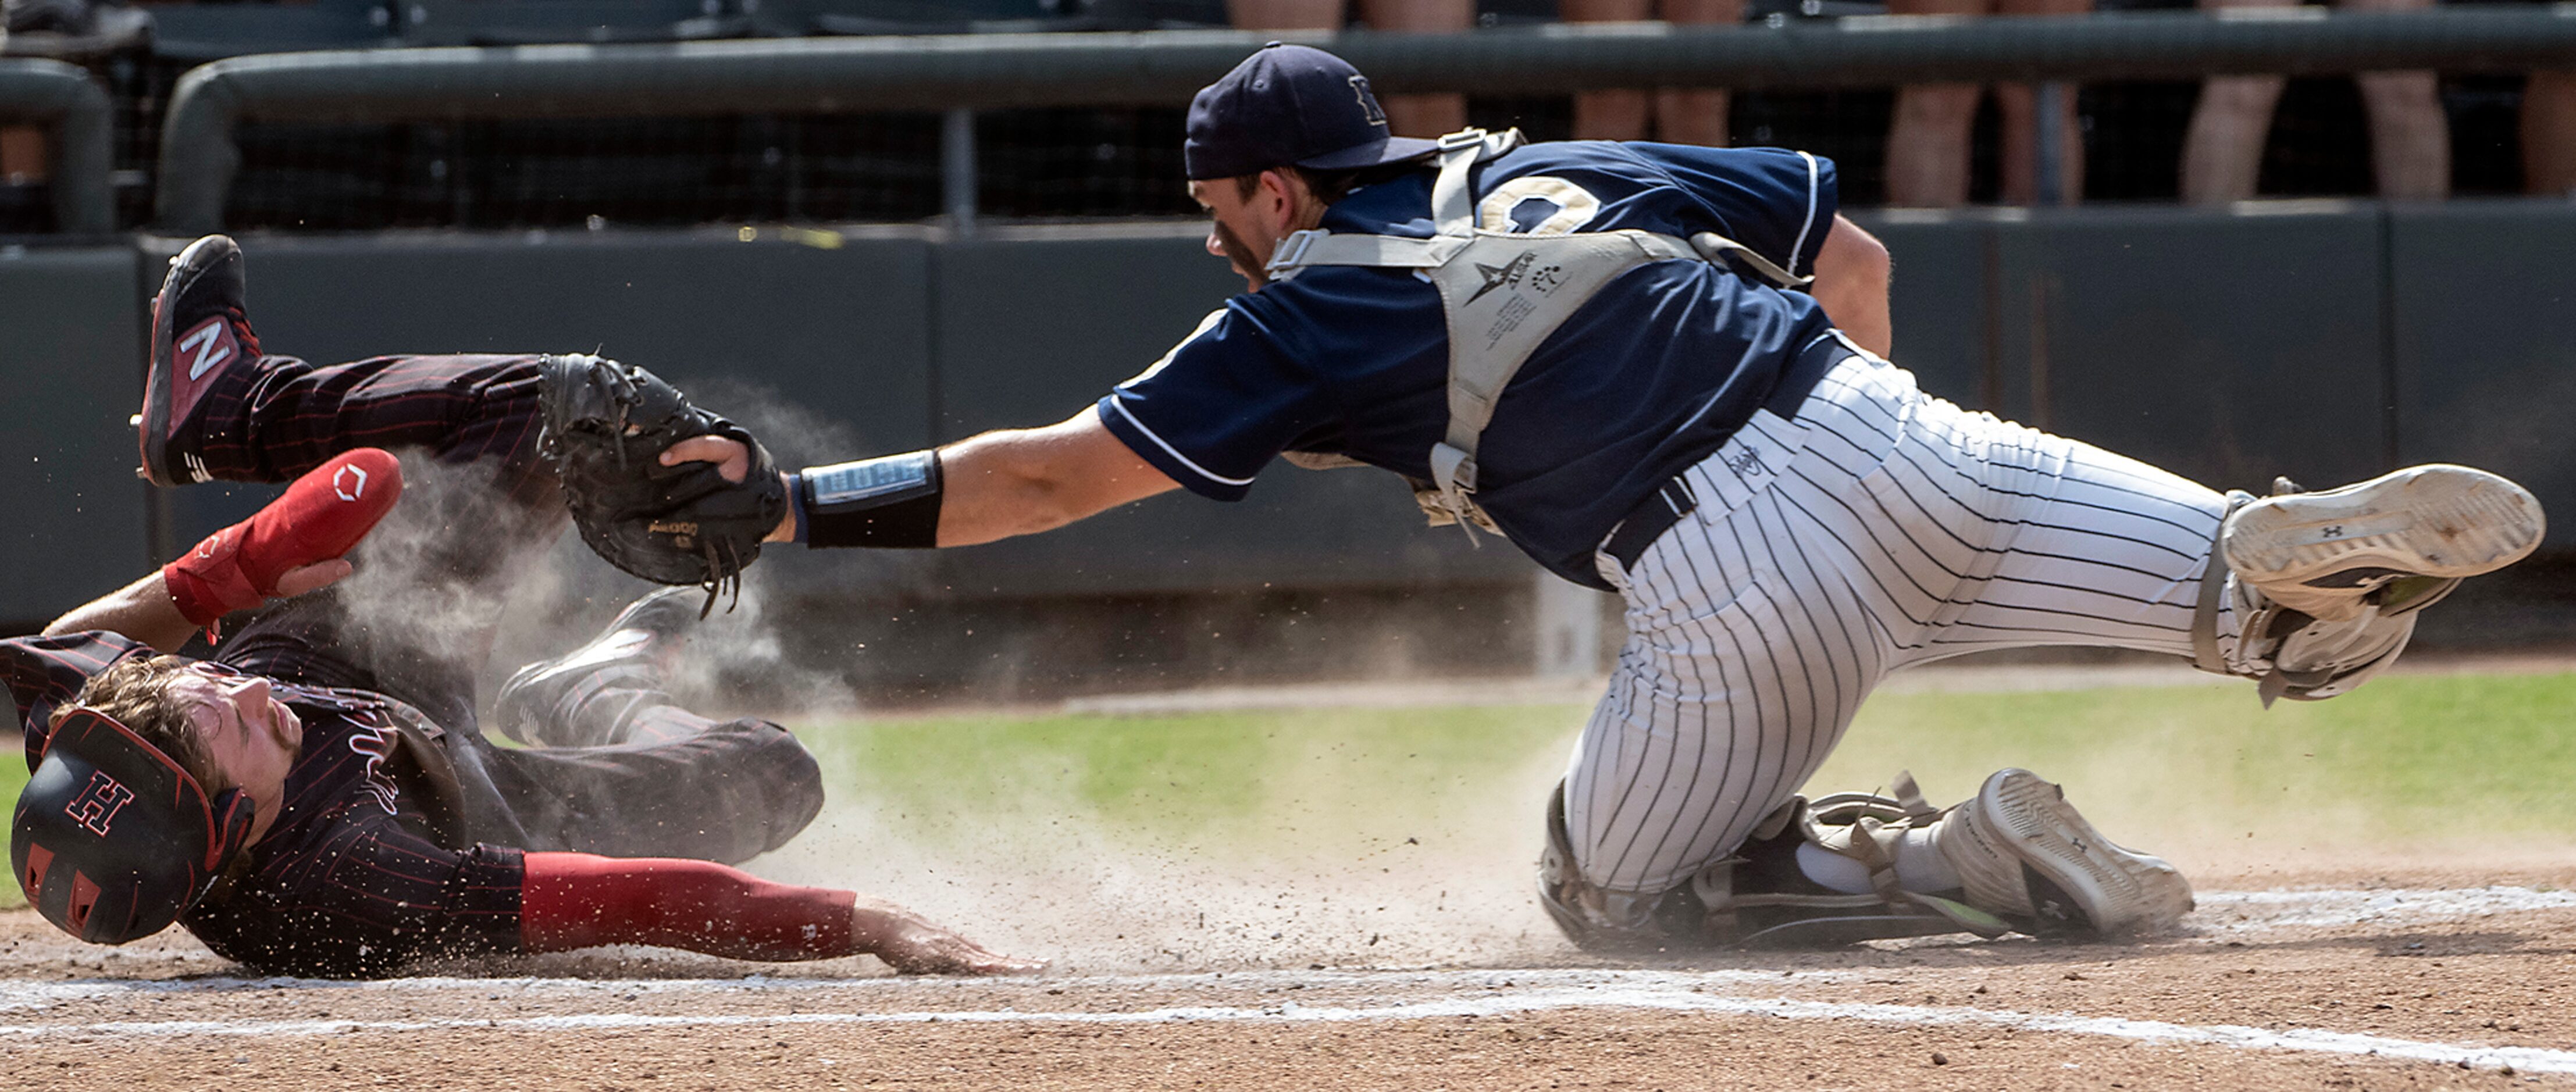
(112, 839)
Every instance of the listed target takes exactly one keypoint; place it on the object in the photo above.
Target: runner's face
(254, 738)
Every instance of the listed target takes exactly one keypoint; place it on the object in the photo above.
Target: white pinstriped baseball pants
(1879, 528)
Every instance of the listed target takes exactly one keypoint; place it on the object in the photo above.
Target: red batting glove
(322, 516)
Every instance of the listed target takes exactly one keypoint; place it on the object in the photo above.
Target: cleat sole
(2118, 890)
(2435, 520)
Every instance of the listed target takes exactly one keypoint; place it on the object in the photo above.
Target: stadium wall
(2323, 340)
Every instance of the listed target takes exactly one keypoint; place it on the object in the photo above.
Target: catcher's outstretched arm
(1851, 284)
(1000, 484)
(1023, 481)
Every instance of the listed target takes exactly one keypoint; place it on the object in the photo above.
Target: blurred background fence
(870, 243)
(1822, 81)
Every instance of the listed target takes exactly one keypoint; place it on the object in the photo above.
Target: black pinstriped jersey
(350, 879)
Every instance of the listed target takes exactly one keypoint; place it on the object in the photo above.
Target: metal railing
(63, 97)
(974, 72)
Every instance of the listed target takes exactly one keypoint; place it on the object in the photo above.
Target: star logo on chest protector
(1500, 276)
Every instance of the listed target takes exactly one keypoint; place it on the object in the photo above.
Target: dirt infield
(2423, 979)
(1364, 921)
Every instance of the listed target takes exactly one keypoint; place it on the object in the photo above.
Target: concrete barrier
(2325, 341)
(76, 512)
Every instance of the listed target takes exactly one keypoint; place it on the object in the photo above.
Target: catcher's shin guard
(1612, 922)
(2028, 861)
(1756, 898)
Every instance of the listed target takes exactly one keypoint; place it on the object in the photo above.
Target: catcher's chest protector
(1501, 293)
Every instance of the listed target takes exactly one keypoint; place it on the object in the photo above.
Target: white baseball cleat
(2323, 554)
(2024, 853)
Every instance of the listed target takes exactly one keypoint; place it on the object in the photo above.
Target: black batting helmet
(113, 840)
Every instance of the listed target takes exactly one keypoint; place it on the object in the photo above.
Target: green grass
(2406, 761)
(2415, 764)
(2422, 761)
(1192, 773)
(13, 777)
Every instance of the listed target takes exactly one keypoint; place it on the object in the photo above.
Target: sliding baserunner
(315, 797)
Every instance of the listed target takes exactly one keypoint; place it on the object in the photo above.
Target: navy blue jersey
(348, 880)
(1649, 377)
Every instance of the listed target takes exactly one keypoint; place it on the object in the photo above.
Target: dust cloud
(441, 570)
(1322, 872)
(1314, 876)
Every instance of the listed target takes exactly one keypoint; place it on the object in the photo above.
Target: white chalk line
(1497, 992)
(1641, 996)
(21, 996)
(2325, 909)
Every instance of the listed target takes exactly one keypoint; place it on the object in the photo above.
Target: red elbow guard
(320, 517)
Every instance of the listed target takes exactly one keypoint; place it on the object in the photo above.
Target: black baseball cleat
(581, 698)
(199, 334)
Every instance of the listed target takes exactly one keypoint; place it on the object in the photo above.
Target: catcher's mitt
(606, 425)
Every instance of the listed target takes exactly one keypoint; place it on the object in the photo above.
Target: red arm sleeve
(577, 900)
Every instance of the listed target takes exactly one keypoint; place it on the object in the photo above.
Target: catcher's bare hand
(610, 431)
(732, 459)
(912, 945)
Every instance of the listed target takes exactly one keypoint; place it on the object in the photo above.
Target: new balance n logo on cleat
(207, 347)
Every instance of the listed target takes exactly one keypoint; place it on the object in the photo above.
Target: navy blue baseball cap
(1291, 104)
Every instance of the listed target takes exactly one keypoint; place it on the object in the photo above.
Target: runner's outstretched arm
(577, 900)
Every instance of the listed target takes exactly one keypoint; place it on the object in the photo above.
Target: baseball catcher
(314, 795)
(1660, 371)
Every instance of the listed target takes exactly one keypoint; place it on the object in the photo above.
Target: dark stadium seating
(1075, 163)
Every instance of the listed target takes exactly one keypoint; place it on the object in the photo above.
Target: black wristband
(890, 503)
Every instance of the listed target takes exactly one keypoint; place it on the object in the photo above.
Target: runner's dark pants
(726, 792)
